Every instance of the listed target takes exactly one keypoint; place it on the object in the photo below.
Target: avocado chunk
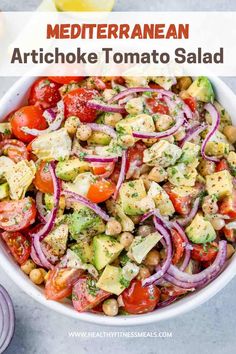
(4, 190)
(182, 175)
(219, 183)
(141, 122)
(84, 251)
(201, 89)
(68, 170)
(142, 245)
(130, 194)
(219, 149)
(106, 250)
(99, 138)
(84, 223)
(161, 199)
(111, 280)
(162, 153)
(189, 153)
(200, 230)
(49, 203)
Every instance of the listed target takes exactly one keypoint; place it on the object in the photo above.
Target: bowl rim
(180, 307)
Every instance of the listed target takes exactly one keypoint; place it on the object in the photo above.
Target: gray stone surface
(208, 329)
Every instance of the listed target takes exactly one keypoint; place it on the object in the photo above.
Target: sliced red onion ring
(50, 115)
(210, 108)
(106, 129)
(193, 212)
(104, 107)
(166, 264)
(188, 286)
(192, 133)
(74, 197)
(40, 207)
(44, 231)
(156, 212)
(204, 276)
(187, 245)
(35, 257)
(53, 126)
(97, 158)
(7, 317)
(122, 173)
(166, 302)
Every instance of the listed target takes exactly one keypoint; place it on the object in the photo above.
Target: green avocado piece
(141, 122)
(84, 223)
(111, 280)
(49, 203)
(84, 251)
(99, 138)
(130, 194)
(106, 250)
(201, 89)
(4, 190)
(189, 153)
(200, 230)
(142, 245)
(68, 170)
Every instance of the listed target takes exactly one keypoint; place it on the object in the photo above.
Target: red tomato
(116, 173)
(85, 294)
(17, 215)
(19, 246)
(182, 204)
(60, 282)
(14, 149)
(192, 103)
(204, 253)
(101, 191)
(228, 205)
(103, 168)
(156, 106)
(178, 247)
(43, 179)
(230, 234)
(76, 104)
(153, 85)
(65, 80)
(44, 93)
(139, 299)
(222, 165)
(171, 290)
(134, 158)
(28, 116)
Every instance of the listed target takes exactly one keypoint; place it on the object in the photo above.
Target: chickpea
(180, 134)
(146, 204)
(71, 124)
(145, 230)
(126, 239)
(143, 272)
(218, 223)
(206, 167)
(163, 122)
(83, 132)
(230, 133)
(112, 118)
(37, 276)
(184, 82)
(152, 258)
(113, 227)
(110, 307)
(126, 140)
(135, 219)
(157, 174)
(230, 250)
(28, 266)
(209, 205)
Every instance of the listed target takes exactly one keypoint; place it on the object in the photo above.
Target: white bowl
(12, 100)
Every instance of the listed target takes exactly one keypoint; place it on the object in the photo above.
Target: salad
(119, 193)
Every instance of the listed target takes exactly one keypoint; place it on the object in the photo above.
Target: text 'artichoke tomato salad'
(119, 192)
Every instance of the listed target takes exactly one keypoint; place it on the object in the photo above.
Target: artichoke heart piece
(5, 164)
(53, 146)
(57, 239)
(19, 178)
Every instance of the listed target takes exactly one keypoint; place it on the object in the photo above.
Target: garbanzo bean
(145, 230)
(230, 250)
(184, 82)
(230, 133)
(83, 132)
(71, 124)
(206, 167)
(112, 118)
(152, 258)
(113, 227)
(110, 307)
(37, 276)
(143, 272)
(126, 239)
(28, 266)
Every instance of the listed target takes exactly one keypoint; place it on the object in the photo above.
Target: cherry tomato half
(222, 165)
(44, 93)
(192, 103)
(65, 80)
(204, 253)
(228, 205)
(230, 234)
(101, 191)
(43, 179)
(60, 282)
(85, 294)
(16, 215)
(156, 106)
(182, 204)
(178, 247)
(18, 245)
(76, 104)
(28, 116)
(14, 149)
(134, 158)
(139, 299)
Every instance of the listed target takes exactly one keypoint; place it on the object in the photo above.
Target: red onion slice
(166, 302)
(104, 107)
(97, 158)
(106, 129)
(192, 133)
(188, 286)
(53, 126)
(50, 115)
(214, 126)
(122, 173)
(7, 325)
(193, 212)
(74, 197)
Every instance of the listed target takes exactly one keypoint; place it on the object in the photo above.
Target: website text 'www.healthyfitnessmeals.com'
(120, 334)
